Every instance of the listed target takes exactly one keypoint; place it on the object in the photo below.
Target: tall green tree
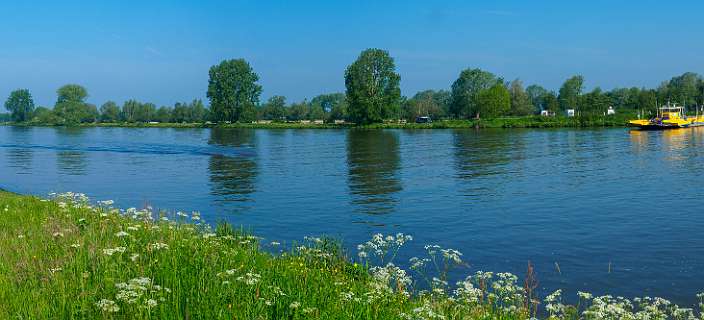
(520, 101)
(494, 101)
(683, 89)
(71, 106)
(233, 91)
(274, 108)
(570, 92)
(130, 110)
(594, 103)
(466, 89)
(550, 102)
(298, 111)
(20, 104)
(199, 113)
(537, 94)
(163, 114)
(373, 91)
(109, 112)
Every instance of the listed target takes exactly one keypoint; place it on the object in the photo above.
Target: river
(600, 210)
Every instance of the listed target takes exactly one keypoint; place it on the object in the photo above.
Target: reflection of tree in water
(373, 160)
(482, 154)
(233, 175)
(71, 162)
(20, 158)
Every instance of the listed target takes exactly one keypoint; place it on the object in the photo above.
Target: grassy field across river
(67, 258)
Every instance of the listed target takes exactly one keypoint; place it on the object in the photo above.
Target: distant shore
(506, 122)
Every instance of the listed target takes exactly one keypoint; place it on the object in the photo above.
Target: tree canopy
(233, 91)
(71, 107)
(20, 104)
(494, 101)
(570, 92)
(373, 92)
(466, 89)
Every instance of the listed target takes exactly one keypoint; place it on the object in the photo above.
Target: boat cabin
(671, 112)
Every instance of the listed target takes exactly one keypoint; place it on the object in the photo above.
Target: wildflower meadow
(69, 258)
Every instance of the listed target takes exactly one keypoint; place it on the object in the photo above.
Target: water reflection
(20, 158)
(478, 156)
(233, 176)
(373, 162)
(71, 162)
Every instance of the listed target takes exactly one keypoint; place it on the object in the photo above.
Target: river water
(600, 210)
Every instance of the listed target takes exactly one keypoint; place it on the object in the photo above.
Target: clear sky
(160, 51)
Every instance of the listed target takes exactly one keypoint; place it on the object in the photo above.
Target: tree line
(372, 95)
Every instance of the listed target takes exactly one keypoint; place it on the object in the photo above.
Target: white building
(570, 112)
(610, 111)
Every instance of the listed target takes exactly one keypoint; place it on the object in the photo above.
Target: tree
(594, 103)
(570, 92)
(44, 115)
(682, 89)
(550, 102)
(145, 112)
(163, 114)
(315, 112)
(537, 95)
(298, 111)
(520, 101)
(71, 106)
(373, 91)
(199, 113)
(334, 105)
(109, 112)
(129, 110)
(465, 91)
(274, 108)
(20, 105)
(494, 102)
(427, 103)
(233, 91)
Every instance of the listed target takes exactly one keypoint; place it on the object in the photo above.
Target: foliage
(373, 91)
(430, 103)
(466, 89)
(273, 109)
(109, 112)
(334, 105)
(494, 101)
(71, 107)
(20, 105)
(520, 101)
(233, 91)
(570, 92)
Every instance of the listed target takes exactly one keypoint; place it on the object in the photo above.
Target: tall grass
(68, 259)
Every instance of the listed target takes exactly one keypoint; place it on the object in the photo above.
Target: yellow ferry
(669, 117)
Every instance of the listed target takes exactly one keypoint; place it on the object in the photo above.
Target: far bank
(504, 122)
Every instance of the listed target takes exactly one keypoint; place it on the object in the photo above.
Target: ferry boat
(669, 117)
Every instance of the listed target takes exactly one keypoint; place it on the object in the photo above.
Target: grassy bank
(507, 122)
(66, 259)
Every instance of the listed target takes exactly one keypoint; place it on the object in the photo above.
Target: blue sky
(160, 51)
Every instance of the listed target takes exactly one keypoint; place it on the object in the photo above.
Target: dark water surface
(584, 199)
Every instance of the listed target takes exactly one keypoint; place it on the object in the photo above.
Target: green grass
(54, 265)
(66, 259)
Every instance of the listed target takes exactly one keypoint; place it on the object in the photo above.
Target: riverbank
(507, 122)
(65, 258)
